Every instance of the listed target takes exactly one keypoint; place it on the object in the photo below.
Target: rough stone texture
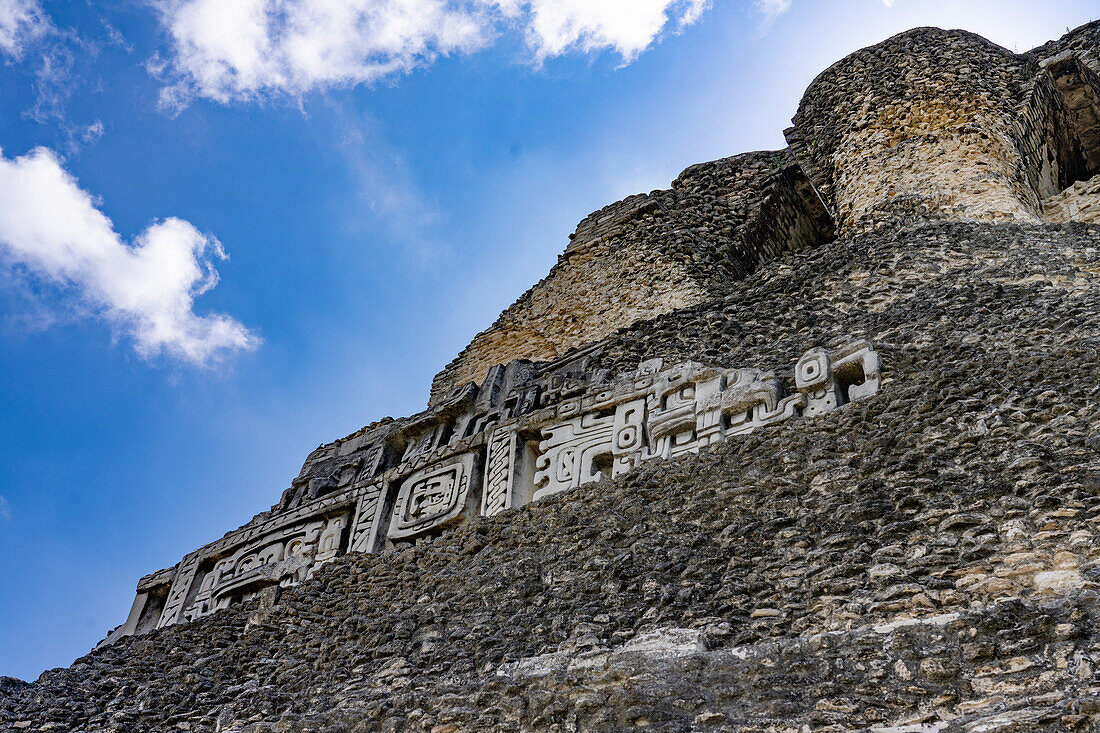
(650, 254)
(528, 432)
(934, 124)
(1079, 202)
(1074, 66)
(930, 124)
(923, 559)
(766, 585)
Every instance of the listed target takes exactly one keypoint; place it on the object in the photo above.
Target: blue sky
(229, 233)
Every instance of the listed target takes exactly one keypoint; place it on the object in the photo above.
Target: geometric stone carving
(628, 437)
(686, 408)
(367, 523)
(284, 549)
(285, 557)
(571, 452)
(857, 369)
(674, 422)
(499, 472)
(828, 380)
(432, 497)
(814, 379)
(754, 400)
(473, 454)
(180, 588)
(328, 545)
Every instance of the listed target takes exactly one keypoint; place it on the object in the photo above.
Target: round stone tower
(934, 124)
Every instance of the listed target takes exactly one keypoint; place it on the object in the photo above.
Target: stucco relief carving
(688, 407)
(179, 589)
(286, 557)
(570, 454)
(529, 432)
(829, 379)
(284, 549)
(499, 472)
(432, 497)
(368, 518)
(245, 568)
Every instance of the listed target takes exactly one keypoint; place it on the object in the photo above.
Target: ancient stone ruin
(530, 431)
(808, 441)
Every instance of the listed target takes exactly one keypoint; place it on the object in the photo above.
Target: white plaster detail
(499, 472)
(432, 497)
(478, 453)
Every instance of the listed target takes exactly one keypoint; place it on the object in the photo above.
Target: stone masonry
(935, 124)
(808, 441)
(651, 254)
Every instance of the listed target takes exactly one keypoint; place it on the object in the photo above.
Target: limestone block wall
(1073, 64)
(651, 254)
(602, 282)
(935, 124)
(930, 124)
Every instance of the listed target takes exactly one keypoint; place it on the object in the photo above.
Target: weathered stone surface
(914, 547)
(529, 432)
(936, 124)
(1079, 202)
(930, 124)
(803, 552)
(650, 254)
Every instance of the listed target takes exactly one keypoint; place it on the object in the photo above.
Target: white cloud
(626, 26)
(5, 509)
(248, 48)
(773, 8)
(53, 229)
(385, 192)
(21, 22)
(231, 50)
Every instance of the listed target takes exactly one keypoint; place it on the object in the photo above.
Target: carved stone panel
(286, 557)
(672, 402)
(628, 437)
(593, 426)
(814, 379)
(329, 543)
(569, 455)
(181, 588)
(829, 379)
(500, 472)
(432, 497)
(754, 399)
(368, 518)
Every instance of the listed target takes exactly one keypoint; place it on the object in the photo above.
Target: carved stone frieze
(499, 472)
(284, 550)
(530, 431)
(368, 518)
(432, 497)
(572, 453)
(285, 557)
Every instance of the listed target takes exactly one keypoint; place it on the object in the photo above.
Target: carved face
(432, 495)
